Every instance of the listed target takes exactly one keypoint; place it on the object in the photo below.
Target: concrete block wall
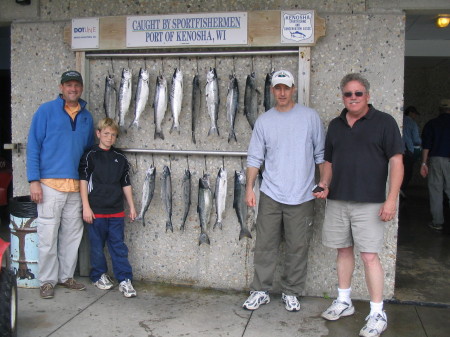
(357, 40)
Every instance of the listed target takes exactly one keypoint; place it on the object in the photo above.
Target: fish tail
(203, 238)
(231, 136)
(175, 127)
(169, 225)
(245, 233)
(213, 131)
(134, 123)
(159, 134)
(217, 224)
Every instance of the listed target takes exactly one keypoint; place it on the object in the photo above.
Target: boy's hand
(88, 215)
(133, 214)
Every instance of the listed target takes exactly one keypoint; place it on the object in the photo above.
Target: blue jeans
(110, 231)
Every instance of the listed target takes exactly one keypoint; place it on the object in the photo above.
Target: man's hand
(250, 197)
(36, 191)
(424, 170)
(387, 210)
(322, 194)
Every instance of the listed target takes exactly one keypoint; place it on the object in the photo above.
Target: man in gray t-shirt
(289, 140)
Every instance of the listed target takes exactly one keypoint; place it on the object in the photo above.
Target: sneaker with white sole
(337, 310)
(126, 288)
(256, 299)
(291, 302)
(104, 282)
(375, 325)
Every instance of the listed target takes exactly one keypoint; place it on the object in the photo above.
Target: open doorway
(423, 264)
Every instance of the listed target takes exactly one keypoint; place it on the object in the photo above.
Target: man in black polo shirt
(362, 146)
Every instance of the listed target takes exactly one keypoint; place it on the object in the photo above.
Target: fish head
(211, 75)
(195, 81)
(204, 181)
(177, 75)
(126, 73)
(166, 171)
(187, 174)
(240, 176)
(222, 173)
(151, 171)
(143, 73)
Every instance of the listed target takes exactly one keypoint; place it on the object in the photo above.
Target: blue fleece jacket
(56, 142)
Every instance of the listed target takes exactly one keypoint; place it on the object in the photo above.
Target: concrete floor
(423, 254)
(160, 310)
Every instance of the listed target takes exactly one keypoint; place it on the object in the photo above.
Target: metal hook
(223, 162)
(206, 166)
(187, 160)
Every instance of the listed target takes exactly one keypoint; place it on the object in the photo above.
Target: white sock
(376, 308)
(344, 295)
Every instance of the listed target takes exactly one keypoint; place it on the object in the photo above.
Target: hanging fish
(220, 196)
(186, 190)
(251, 100)
(166, 196)
(147, 192)
(239, 204)
(232, 105)
(160, 105)
(141, 99)
(110, 99)
(204, 207)
(124, 95)
(268, 97)
(176, 97)
(196, 104)
(212, 100)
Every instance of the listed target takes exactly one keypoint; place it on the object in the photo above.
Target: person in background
(104, 181)
(362, 146)
(411, 137)
(289, 140)
(61, 130)
(436, 162)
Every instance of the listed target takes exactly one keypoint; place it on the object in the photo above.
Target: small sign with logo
(85, 33)
(297, 27)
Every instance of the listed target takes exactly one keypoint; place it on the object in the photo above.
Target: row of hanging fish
(206, 199)
(117, 103)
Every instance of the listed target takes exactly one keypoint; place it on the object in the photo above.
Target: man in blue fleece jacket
(61, 130)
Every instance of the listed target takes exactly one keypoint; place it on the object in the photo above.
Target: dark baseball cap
(71, 75)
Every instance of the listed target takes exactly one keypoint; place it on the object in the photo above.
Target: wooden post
(304, 74)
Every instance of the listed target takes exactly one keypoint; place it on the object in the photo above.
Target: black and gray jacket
(107, 172)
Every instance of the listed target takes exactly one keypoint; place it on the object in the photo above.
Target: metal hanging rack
(195, 54)
(188, 152)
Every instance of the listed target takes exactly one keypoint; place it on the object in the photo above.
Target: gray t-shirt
(289, 144)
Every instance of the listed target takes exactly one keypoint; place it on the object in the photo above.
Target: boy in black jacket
(104, 181)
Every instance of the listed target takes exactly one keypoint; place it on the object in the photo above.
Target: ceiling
(426, 44)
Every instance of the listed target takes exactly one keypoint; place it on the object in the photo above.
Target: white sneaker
(104, 282)
(256, 299)
(337, 310)
(375, 325)
(291, 302)
(127, 289)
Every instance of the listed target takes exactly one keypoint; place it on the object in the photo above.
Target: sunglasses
(350, 94)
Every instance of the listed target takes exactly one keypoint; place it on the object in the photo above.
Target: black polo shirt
(360, 155)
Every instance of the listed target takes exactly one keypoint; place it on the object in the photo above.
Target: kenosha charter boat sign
(297, 27)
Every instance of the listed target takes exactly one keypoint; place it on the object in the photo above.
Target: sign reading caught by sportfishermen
(297, 27)
(187, 29)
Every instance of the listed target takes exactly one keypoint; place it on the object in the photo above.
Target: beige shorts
(349, 223)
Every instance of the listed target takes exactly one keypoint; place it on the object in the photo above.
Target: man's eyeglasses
(350, 94)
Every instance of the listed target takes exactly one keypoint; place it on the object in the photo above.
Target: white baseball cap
(283, 77)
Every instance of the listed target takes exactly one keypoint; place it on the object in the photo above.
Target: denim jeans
(110, 231)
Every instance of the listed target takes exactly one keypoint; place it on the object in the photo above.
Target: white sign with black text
(187, 29)
(297, 27)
